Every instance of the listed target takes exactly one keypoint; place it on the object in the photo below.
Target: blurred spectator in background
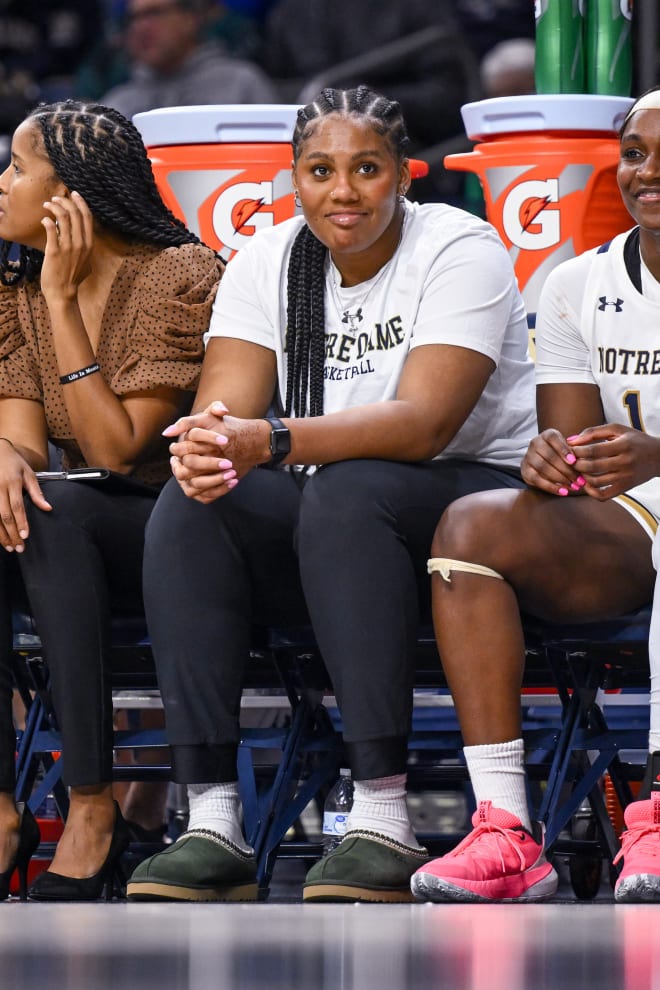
(41, 45)
(173, 62)
(303, 39)
(237, 25)
(508, 68)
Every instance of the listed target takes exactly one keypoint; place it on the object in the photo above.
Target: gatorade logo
(526, 219)
(226, 193)
(237, 212)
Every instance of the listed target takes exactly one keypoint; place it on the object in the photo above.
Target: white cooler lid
(563, 112)
(225, 124)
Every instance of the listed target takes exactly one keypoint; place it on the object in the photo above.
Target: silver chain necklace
(352, 315)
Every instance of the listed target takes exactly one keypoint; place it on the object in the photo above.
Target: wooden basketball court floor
(283, 944)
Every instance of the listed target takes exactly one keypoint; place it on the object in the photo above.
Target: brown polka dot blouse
(157, 312)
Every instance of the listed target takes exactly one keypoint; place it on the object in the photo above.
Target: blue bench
(571, 740)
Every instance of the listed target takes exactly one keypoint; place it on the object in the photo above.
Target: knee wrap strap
(444, 566)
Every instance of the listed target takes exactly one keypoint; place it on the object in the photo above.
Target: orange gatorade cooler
(224, 170)
(547, 166)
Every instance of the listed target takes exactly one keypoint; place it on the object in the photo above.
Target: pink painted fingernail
(575, 487)
(571, 439)
(563, 491)
(570, 458)
(220, 439)
(232, 483)
(581, 481)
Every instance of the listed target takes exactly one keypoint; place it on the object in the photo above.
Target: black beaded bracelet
(73, 376)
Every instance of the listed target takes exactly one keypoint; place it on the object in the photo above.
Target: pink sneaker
(639, 879)
(499, 861)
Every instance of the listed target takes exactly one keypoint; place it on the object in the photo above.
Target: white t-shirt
(449, 282)
(594, 326)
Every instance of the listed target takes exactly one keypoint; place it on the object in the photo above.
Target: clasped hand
(213, 450)
(601, 461)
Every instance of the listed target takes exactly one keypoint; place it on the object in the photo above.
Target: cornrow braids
(382, 114)
(305, 333)
(96, 151)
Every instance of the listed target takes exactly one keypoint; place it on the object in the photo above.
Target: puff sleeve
(171, 310)
(19, 372)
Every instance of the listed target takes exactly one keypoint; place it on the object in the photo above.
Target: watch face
(280, 441)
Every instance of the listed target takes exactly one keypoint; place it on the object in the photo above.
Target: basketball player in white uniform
(578, 545)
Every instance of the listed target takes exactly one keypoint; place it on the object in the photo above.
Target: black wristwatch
(280, 440)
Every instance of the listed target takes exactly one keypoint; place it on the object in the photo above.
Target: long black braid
(305, 332)
(96, 151)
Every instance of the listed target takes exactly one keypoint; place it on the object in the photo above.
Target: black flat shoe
(50, 886)
(28, 843)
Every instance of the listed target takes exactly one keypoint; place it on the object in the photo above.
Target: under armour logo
(603, 302)
(352, 318)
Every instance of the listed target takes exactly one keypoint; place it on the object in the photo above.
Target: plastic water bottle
(336, 810)
(559, 63)
(609, 47)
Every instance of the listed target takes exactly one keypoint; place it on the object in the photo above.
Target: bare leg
(85, 841)
(564, 559)
(561, 559)
(9, 824)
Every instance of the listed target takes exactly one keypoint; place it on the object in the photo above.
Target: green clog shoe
(365, 866)
(200, 866)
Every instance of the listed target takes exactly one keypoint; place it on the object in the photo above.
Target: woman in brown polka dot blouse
(104, 300)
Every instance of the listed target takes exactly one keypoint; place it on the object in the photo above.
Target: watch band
(280, 439)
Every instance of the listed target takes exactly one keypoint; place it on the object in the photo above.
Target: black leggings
(356, 539)
(82, 562)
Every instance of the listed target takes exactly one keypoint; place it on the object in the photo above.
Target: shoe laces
(633, 836)
(494, 839)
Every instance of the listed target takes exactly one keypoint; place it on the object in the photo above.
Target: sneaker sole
(172, 892)
(641, 888)
(428, 887)
(342, 892)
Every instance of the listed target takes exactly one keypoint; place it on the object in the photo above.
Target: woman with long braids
(374, 353)
(104, 300)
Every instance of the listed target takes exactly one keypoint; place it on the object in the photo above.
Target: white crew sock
(497, 774)
(379, 805)
(217, 807)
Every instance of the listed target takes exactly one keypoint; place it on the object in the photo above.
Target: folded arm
(439, 387)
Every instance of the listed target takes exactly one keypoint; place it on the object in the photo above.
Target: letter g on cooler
(526, 220)
(237, 212)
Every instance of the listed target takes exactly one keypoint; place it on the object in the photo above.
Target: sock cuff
(213, 790)
(514, 750)
(381, 788)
